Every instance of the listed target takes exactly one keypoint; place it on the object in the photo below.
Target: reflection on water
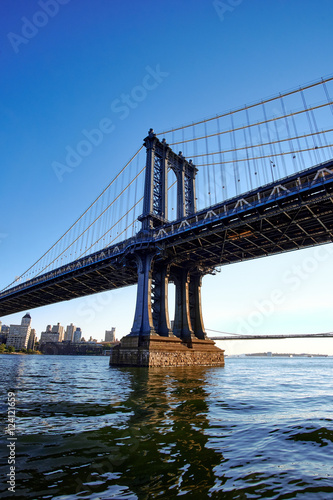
(253, 429)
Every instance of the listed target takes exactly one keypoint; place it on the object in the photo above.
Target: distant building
(54, 334)
(18, 335)
(110, 335)
(4, 330)
(32, 339)
(77, 335)
(59, 330)
(69, 335)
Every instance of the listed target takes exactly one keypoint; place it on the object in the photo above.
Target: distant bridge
(266, 337)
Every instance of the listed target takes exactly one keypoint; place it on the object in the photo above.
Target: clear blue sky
(64, 76)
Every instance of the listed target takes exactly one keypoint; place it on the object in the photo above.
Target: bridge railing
(248, 147)
(311, 177)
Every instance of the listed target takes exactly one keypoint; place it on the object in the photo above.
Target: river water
(257, 428)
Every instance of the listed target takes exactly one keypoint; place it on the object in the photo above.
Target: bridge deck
(289, 214)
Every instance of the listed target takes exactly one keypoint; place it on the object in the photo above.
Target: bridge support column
(195, 305)
(188, 313)
(143, 319)
(182, 325)
(151, 341)
(160, 305)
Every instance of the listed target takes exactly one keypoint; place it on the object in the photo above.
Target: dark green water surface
(258, 428)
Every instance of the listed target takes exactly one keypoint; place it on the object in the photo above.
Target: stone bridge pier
(151, 341)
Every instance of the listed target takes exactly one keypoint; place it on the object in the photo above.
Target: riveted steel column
(155, 203)
(195, 305)
(164, 178)
(182, 324)
(190, 201)
(181, 212)
(143, 320)
(160, 300)
(185, 172)
(149, 141)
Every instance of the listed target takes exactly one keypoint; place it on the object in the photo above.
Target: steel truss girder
(211, 239)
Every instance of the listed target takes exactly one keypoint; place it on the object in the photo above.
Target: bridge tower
(152, 342)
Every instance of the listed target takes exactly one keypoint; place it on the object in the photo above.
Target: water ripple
(254, 429)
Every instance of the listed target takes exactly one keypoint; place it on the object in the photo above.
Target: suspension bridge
(251, 182)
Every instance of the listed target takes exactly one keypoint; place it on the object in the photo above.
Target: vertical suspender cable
(271, 146)
(299, 156)
(262, 154)
(207, 167)
(317, 156)
(234, 155)
(224, 190)
(329, 100)
(255, 166)
(280, 173)
(291, 146)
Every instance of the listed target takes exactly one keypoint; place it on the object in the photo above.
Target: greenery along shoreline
(4, 349)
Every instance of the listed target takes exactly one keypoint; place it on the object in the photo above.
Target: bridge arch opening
(171, 302)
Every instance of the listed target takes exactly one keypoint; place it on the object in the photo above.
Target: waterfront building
(69, 335)
(91, 340)
(77, 335)
(18, 335)
(32, 339)
(59, 330)
(4, 333)
(54, 334)
(110, 335)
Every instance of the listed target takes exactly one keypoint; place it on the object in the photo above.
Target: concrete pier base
(158, 351)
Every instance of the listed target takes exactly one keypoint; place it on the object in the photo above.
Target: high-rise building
(77, 335)
(110, 335)
(4, 334)
(32, 339)
(54, 334)
(18, 335)
(69, 335)
(59, 330)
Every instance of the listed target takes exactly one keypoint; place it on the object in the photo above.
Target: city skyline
(55, 333)
(68, 77)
